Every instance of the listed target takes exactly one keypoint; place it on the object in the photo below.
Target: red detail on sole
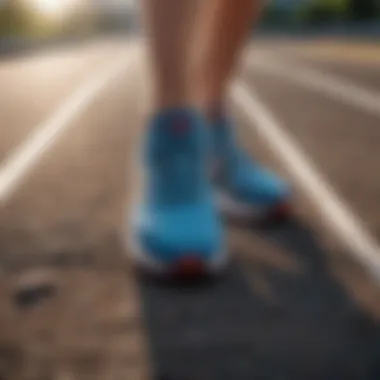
(282, 210)
(189, 266)
(279, 213)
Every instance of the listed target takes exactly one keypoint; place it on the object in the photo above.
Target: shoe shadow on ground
(226, 330)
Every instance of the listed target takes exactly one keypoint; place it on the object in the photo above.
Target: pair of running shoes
(193, 174)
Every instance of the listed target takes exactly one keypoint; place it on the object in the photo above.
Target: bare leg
(248, 189)
(176, 227)
(169, 25)
(226, 24)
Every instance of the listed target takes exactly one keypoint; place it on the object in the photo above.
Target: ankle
(167, 114)
(216, 112)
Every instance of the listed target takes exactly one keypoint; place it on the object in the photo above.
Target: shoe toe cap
(177, 234)
(262, 187)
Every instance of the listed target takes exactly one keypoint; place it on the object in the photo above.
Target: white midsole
(131, 241)
(230, 207)
(147, 261)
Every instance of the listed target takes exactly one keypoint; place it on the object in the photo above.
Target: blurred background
(37, 21)
(296, 304)
(353, 17)
(46, 19)
(54, 18)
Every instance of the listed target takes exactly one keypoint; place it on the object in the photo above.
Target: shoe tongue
(223, 121)
(177, 122)
(179, 126)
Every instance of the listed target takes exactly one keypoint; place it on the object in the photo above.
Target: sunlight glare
(53, 8)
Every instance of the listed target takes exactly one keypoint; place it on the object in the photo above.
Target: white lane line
(331, 208)
(329, 85)
(26, 155)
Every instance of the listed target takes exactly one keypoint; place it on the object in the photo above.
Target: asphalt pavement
(298, 302)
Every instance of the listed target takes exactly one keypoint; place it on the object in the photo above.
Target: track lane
(290, 307)
(62, 226)
(34, 86)
(341, 139)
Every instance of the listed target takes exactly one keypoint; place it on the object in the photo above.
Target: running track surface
(296, 303)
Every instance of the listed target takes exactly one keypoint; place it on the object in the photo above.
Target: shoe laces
(177, 165)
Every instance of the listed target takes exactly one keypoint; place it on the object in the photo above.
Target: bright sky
(52, 8)
(103, 3)
(115, 3)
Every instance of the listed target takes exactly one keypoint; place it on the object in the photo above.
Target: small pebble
(35, 287)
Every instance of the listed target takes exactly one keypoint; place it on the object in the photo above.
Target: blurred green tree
(323, 11)
(9, 18)
(18, 18)
(363, 9)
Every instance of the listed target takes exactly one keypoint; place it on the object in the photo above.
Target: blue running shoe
(246, 190)
(176, 229)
